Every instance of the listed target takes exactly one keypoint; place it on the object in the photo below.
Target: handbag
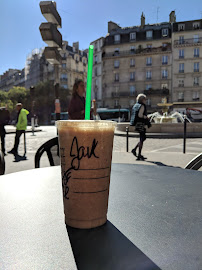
(139, 127)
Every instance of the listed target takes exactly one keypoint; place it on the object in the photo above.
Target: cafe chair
(195, 163)
(49, 149)
(2, 163)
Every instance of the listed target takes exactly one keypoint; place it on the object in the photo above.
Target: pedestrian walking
(21, 126)
(139, 119)
(4, 120)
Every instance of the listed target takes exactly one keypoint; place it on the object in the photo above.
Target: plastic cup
(86, 153)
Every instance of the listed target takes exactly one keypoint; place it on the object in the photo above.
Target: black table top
(154, 222)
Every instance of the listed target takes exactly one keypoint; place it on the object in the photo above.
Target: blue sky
(82, 21)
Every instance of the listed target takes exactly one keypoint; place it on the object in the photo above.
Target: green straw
(89, 83)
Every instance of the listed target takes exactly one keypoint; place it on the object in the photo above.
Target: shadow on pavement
(161, 164)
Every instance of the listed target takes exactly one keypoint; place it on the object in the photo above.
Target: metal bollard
(127, 139)
(185, 135)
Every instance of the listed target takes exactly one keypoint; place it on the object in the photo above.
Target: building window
(180, 96)
(96, 83)
(64, 86)
(164, 86)
(196, 67)
(165, 32)
(148, 86)
(181, 39)
(164, 74)
(63, 77)
(164, 60)
(132, 76)
(116, 102)
(117, 38)
(116, 51)
(95, 71)
(133, 36)
(116, 93)
(196, 52)
(181, 68)
(181, 83)
(132, 49)
(196, 25)
(148, 102)
(196, 38)
(149, 34)
(196, 81)
(181, 53)
(195, 96)
(132, 62)
(148, 61)
(148, 74)
(164, 45)
(132, 90)
(116, 63)
(96, 59)
(116, 77)
(181, 27)
(63, 65)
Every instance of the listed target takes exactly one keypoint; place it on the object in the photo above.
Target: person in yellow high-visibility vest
(21, 126)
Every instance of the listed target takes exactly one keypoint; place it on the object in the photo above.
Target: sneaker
(134, 152)
(140, 157)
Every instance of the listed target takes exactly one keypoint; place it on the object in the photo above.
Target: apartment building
(97, 72)
(137, 60)
(74, 65)
(12, 77)
(187, 61)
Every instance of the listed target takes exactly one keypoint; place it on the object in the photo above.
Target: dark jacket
(4, 117)
(134, 114)
(77, 104)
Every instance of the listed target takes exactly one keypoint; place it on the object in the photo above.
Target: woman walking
(139, 119)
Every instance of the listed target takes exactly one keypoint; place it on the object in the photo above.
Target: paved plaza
(159, 152)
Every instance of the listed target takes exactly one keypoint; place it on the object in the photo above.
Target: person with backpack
(4, 120)
(139, 119)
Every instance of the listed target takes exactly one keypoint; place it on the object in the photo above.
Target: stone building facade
(187, 61)
(136, 60)
(97, 72)
(161, 60)
(74, 65)
(12, 77)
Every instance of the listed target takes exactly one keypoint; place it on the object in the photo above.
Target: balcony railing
(156, 92)
(122, 94)
(138, 51)
(188, 41)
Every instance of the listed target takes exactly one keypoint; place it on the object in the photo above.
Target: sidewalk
(12, 129)
(159, 152)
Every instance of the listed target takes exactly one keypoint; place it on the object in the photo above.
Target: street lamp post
(32, 94)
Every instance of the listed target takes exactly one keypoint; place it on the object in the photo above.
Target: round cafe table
(154, 222)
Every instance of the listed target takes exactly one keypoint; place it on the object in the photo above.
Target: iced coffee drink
(85, 152)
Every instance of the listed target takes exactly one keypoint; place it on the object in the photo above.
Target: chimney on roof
(76, 46)
(112, 26)
(142, 20)
(172, 17)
